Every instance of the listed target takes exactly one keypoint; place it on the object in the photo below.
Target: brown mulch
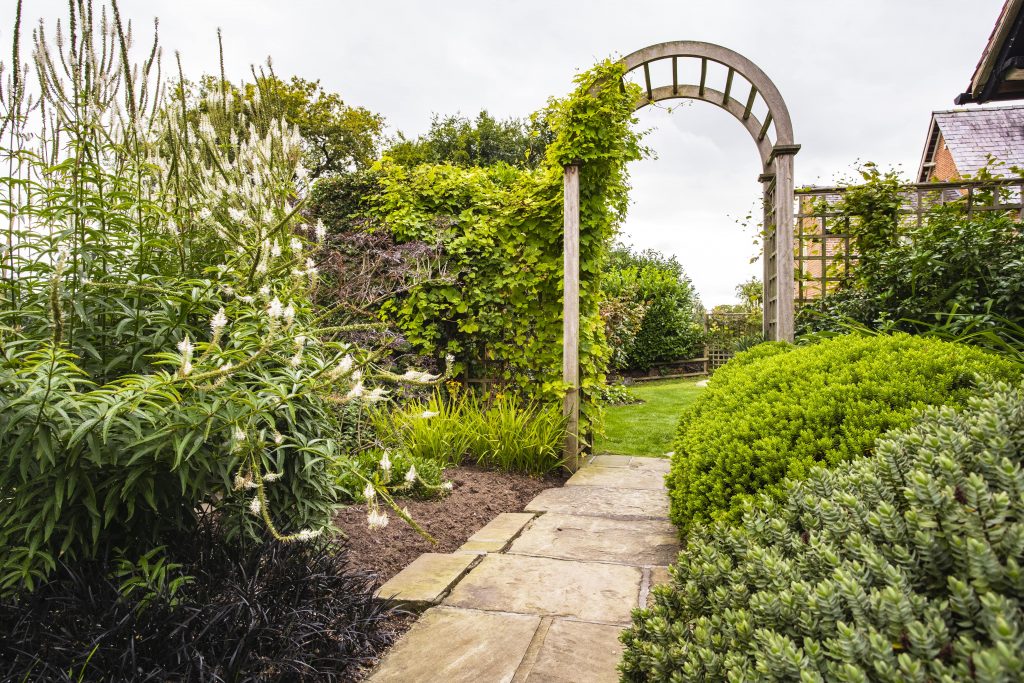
(477, 497)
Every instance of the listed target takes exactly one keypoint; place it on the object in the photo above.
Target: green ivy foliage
(762, 421)
(905, 566)
(501, 230)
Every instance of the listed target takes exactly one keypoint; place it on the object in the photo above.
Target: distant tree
(751, 293)
(339, 138)
(483, 141)
(670, 313)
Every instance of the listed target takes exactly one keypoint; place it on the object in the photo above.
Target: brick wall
(944, 169)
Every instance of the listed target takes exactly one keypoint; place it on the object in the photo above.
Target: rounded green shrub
(905, 566)
(783, 413)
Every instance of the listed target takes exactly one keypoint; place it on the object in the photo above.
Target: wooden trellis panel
(825, 250)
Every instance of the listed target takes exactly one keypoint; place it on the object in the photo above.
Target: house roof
(1000, 71)
(973, 135)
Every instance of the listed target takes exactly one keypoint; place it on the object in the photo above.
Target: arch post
(784, 313)
(571, 316)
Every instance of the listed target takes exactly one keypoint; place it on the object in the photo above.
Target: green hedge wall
(774, 413)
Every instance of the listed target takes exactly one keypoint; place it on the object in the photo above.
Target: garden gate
(776, 179)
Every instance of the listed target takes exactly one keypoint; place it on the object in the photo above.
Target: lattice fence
(826, 250)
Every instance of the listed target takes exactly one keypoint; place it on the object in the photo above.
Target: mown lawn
(647, 428)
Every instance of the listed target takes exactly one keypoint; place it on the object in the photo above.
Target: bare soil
(477, 497)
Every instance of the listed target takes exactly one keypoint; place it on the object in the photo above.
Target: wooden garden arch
(776, 179)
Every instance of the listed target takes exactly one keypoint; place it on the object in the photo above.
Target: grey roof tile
(972, 135)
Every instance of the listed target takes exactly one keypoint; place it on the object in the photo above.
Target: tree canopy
(482, 141)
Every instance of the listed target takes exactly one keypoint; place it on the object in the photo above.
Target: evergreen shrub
(905, 566)
(761, 421)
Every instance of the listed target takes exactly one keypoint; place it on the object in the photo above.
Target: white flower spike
(218, 322)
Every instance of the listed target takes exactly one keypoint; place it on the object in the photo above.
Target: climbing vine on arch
(501, 231)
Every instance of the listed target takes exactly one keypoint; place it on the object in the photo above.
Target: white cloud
(860, 80)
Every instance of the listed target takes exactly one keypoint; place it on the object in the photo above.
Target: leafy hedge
(500, 229)
(903, 567)
(780, 415)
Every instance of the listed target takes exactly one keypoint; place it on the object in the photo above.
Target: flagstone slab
(602, 501)
(659, 464)
(611, 460)
(576, 651)
(632, 477)
(588, 591)
(426, 580)
(498, 533)
(637, 542)
(459, 646)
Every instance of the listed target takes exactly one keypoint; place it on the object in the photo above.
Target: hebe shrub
(778, 416)
(905, 566)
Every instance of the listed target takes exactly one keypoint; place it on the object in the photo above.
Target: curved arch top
(778, 112)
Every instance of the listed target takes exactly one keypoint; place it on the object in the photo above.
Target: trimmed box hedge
(775, 412)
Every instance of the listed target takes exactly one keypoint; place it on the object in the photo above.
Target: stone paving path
(540, 596)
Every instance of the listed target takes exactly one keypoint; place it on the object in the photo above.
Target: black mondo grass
(252, 612)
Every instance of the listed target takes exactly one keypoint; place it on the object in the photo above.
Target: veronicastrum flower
(186, 348)
(255, 506)
(288, 313)
(271, 476)
(369, 493)
(427, 414)
(377, 394)
(321, 231)
(296, 244)
(410, 476)
(376, 519)
(218, 322)
(356, 391)
(385, 462)
(275, 250)
(448, 486)
(418, 376)
(275, 310)
(307, 534)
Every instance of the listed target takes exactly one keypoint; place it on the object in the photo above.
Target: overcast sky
(860, 79)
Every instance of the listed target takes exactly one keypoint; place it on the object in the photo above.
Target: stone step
(565, 651)
(497, 534)
(587, 591)
(602, 501)
(635, 476)
(426, 580)
(459, 646)
(636, 542)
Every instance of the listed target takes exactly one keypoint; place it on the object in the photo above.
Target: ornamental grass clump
(774, 413)
(505, 433)
(904, 566)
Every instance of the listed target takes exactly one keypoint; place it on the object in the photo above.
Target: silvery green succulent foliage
(903, 566)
